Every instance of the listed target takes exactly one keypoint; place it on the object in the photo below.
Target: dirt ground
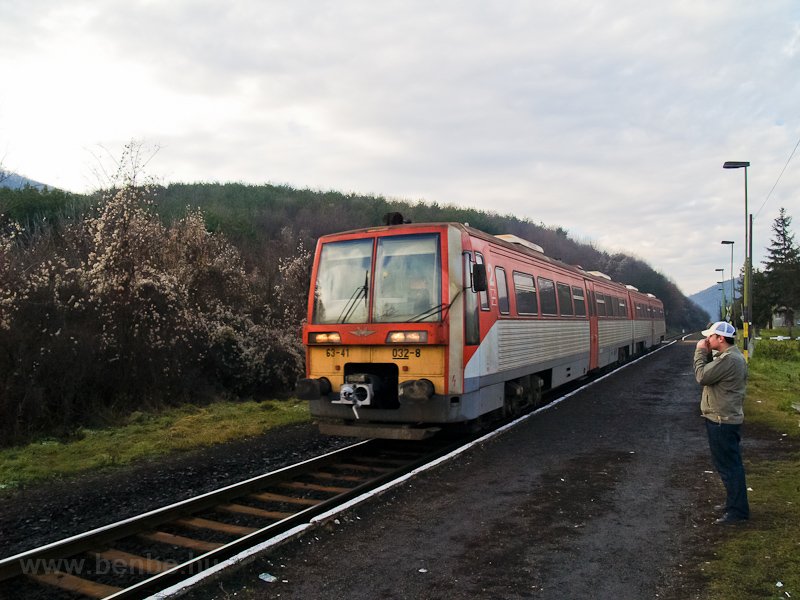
(607, 495)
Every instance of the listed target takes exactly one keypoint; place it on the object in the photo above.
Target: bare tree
(128, 170)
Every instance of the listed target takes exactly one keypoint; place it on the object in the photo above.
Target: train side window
(611, 306)
(525, 293)
(547, 296)
(623, 308)
(502, 290)
(564, 299)
(580, 303)
(482, 295)
(601, 305)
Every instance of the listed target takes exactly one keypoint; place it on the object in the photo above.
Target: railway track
(142, 555)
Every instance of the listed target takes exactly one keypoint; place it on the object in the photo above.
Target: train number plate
(334, 352)
(406, 353)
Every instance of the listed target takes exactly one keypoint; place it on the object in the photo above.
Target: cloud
(611, 120)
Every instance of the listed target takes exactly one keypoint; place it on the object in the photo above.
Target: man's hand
(704, 345)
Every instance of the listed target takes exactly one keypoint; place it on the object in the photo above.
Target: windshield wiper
(358, 293)
(427, 313)
(432, 311)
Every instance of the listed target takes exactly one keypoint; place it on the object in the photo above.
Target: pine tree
(782, 267)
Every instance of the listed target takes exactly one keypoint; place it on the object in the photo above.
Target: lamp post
(733, 291)
(748, 251)
(722, 287)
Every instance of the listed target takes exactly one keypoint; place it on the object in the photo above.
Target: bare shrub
(119, 312)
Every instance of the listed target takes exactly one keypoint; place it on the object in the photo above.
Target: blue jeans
(724, 441)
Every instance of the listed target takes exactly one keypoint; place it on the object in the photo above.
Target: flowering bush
(117, 311)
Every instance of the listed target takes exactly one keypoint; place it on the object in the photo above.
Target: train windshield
(408, 280)
(408, 283)
(341, 294)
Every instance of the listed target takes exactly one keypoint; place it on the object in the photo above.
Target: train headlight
(324, 338)
(407, 337)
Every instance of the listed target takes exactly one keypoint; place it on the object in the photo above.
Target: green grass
(146, 436)
(752, 560)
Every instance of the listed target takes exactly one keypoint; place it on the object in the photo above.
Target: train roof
(508, 241)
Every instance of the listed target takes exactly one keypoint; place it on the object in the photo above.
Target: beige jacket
(724, 380)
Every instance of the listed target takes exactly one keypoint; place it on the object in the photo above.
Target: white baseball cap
(722, 328)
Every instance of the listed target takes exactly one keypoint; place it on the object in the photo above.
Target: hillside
(269, 223)
(263, 219)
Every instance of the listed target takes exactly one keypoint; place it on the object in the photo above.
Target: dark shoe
(729, 519)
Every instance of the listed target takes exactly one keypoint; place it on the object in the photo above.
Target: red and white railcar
(414, 326)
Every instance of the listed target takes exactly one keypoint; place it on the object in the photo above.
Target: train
(417, 327)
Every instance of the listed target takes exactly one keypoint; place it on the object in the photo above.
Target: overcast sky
(609, 119)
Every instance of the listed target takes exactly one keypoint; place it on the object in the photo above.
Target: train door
(593, 327)
(471, 348)
(472, 334)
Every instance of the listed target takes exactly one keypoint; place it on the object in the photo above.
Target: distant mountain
(710, 299)
(16, 182)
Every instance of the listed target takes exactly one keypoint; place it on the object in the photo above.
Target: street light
(722, 287)
(748, 253)
(733, 291)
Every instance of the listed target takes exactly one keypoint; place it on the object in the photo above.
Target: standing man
(722, 370)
